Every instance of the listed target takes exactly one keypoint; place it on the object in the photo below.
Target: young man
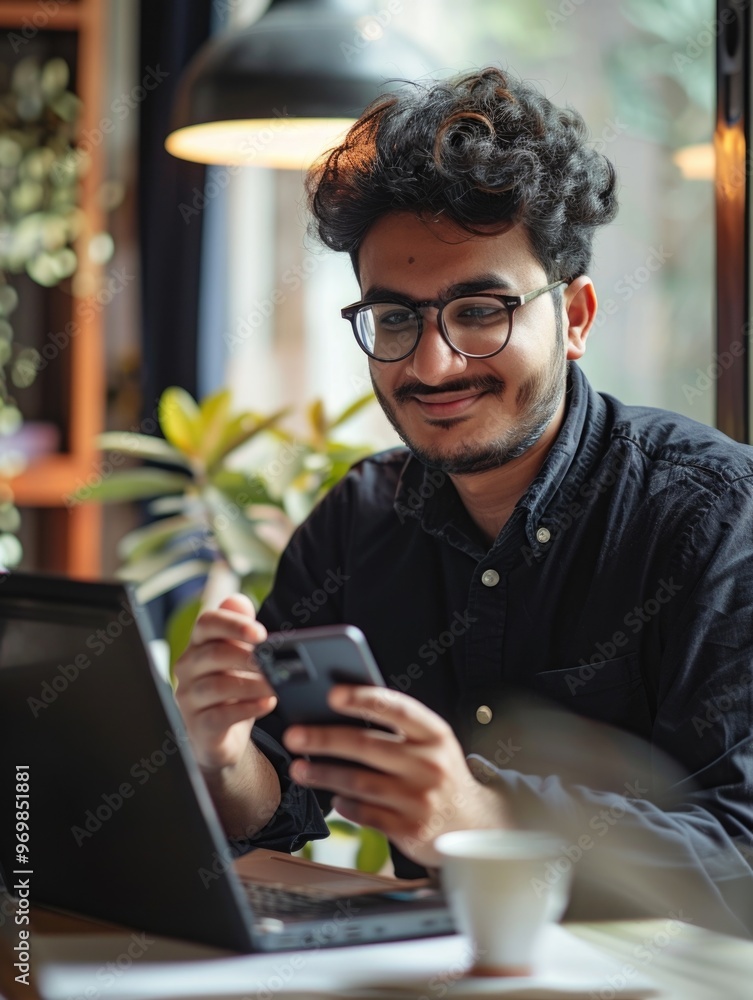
(533, 536)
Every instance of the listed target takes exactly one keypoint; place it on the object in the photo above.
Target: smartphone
(303, 665)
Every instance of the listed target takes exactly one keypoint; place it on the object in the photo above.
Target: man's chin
(465, 461)
(471, 457)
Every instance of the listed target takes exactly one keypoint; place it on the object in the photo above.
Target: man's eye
(395, 319)
(483, 313)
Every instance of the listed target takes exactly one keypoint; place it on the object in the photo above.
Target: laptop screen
(121, 825)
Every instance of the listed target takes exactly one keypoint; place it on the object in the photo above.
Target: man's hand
(220, 692)
(419, 784)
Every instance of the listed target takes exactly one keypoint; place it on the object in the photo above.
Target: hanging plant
(40, 221)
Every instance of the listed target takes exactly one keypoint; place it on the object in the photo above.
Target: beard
(536, 401)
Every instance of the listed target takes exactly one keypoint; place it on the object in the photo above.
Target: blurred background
(173, 274)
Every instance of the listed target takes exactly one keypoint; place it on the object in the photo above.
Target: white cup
(503, 887)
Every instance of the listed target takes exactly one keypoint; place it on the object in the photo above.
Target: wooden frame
(73, 545)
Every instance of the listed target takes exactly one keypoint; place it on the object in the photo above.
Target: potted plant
(228, 490)
(223, 518)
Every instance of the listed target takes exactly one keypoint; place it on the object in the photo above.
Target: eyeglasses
(476, 326)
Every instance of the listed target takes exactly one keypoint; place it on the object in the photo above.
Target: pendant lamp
(282, 90)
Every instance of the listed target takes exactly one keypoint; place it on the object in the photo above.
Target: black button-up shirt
(621, 588)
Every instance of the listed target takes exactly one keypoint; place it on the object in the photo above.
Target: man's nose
(433, 359)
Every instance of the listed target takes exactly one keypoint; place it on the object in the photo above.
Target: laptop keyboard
(273, 900)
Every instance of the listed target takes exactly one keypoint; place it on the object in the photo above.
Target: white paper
(565, 967)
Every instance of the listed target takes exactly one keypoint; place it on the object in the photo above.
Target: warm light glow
(284, 143)
(697, 163)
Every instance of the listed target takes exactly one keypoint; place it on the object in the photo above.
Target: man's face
(461, 414)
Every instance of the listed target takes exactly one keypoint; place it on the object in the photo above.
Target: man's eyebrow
(482, 283)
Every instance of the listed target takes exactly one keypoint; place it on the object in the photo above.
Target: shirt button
(484, 715)
(543, 535)
(490, 578)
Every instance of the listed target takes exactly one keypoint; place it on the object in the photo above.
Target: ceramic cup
(504, 887)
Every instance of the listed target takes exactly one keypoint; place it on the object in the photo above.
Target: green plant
(371, 847)
(223, 509)
(40, 229)
(236, 486)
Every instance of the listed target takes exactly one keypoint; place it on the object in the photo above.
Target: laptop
(121, 825)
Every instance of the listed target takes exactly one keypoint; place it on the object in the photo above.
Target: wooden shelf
(72, 534)
(56, 15)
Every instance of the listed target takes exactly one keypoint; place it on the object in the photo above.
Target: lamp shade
(282, 90)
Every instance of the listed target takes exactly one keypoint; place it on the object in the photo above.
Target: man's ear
(580, 306)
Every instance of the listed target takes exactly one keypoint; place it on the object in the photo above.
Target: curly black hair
(486, 150)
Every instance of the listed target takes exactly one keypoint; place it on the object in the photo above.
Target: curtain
(170, 196)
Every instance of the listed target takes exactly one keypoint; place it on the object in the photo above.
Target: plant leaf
(171, 578)
(373, 852)
(319, 426)
(244, 550)
(240, 430)
(214, 413)
(179, 627)
(134, 484)
(141, 541)
(241, 487)
(144, 568)
(142, 446)
(170, 505)
(351, 410)
(257, 586)
(179, 418)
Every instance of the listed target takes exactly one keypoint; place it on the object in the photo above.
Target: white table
(685, 962)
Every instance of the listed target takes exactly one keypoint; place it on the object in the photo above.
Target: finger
(386, 707)
(219, 718)
(384, 819)
(215, 656)
(233, 620)
(372, 747)
(218, 688)
(415, 765)
(356, 783)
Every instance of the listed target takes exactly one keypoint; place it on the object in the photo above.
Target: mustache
(482, 383)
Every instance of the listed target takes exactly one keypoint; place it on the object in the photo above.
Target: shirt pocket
(611, 691)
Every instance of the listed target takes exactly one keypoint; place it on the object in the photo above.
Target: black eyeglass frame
(511, 303)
